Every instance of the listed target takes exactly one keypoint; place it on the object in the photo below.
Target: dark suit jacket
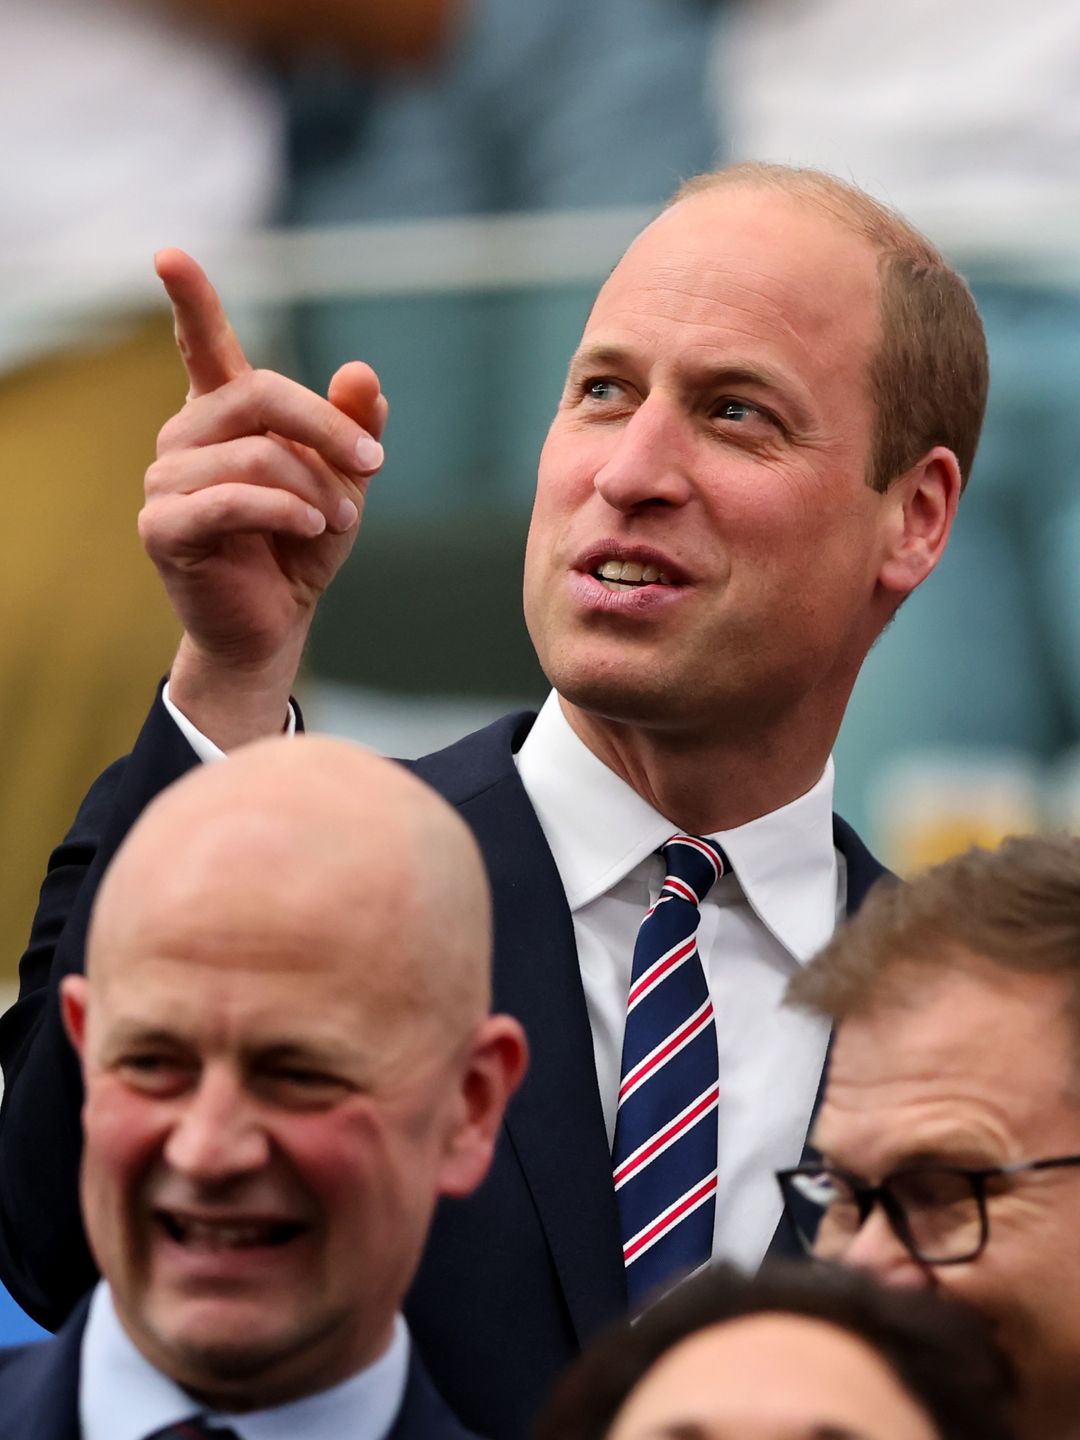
(39, 1393)
(516, 1278)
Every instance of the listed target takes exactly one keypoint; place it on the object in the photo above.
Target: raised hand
(251, 507)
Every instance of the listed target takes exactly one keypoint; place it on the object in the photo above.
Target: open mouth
(227, 1234)
(629, 575)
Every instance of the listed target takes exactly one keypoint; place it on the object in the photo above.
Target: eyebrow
(953, 1153)
(710, 377)
(133, 1031)
(282, 1051)
(291, 1052)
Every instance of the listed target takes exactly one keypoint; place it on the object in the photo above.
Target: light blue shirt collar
(123, 1397)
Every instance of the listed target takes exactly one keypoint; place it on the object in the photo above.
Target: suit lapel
(424, 1414)
(863, 871)
(39, 1385)
(555, 1122)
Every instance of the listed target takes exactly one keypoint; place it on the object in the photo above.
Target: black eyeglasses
(938, 1212)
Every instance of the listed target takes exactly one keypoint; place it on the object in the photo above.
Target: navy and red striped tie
(664, 1155)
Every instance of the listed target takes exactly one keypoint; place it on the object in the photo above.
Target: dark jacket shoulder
(39, 1384)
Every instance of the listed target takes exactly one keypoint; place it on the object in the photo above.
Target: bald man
(288, 1056)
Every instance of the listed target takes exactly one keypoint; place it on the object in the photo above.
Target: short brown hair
(930, 377)
(1016, 907)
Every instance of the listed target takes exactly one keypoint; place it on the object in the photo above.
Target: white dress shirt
(758, 925)
(123, 1397)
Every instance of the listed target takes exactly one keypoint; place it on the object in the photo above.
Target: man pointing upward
(757, 455)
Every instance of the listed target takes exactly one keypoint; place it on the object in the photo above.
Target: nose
(877, 1248)
(647, 464)
(217, 1133)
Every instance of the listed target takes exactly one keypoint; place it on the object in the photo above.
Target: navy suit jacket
(516, 1278)
(39, 1393)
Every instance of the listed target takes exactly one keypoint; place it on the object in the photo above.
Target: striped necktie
(664, 1156)
(194, 1429)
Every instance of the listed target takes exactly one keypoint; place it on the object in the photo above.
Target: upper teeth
(632, 572)
(215, 1234)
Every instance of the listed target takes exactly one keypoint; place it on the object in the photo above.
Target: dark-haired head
(839, 1346)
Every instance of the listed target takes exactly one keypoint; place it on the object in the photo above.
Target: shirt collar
(123, 1397)
(599, 829)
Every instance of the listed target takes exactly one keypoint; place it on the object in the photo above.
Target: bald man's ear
(74, 1000)
(500, 1054)
(922, 509)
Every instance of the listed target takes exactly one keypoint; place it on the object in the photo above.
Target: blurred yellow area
(87, 631)
(931, 809)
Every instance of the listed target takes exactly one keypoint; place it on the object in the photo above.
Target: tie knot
(693, 866)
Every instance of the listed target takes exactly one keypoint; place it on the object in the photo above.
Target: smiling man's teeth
(628, 574)
(207, 1235)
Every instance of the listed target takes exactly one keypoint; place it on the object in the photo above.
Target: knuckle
(259, 384)
(150, 530)
(221, 506)
(256, 456)
(254, 395)
(155, 480)
(338, 431)
(168, 436)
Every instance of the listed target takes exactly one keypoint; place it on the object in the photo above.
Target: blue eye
(601, 389)
(738, 410)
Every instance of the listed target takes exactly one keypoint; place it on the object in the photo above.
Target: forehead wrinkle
(857, 1120)
(698, 308)
(764, 321)
(876, 1150)
(779, 291)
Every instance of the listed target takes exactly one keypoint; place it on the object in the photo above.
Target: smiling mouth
(215, 1235)
(629, 575)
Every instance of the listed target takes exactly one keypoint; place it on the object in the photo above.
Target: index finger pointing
(207, 342)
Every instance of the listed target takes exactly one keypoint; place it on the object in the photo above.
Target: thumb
(355, 390)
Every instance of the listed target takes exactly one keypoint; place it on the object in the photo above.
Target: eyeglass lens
(938, 1208)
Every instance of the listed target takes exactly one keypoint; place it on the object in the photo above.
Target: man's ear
(494, 1070)
(74, 1003)
(923, 505)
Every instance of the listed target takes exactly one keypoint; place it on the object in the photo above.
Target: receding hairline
(929, 378)
(834, 198)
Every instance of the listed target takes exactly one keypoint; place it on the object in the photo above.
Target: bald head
(288, 1058)
(297, 849)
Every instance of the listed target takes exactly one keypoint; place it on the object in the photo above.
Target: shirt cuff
(206, 749)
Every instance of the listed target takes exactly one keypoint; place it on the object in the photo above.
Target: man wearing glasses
(950, 1130)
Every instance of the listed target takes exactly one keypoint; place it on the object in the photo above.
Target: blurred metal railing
(478, 253)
